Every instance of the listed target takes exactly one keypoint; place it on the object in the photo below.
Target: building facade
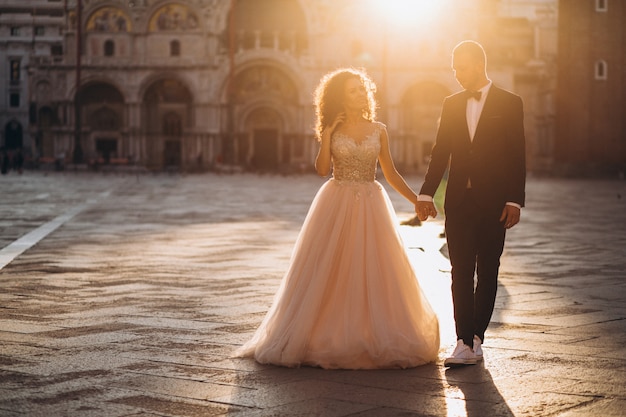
(31, 34)
(591, 94)
(203, 84)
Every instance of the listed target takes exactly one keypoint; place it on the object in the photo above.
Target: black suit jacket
(494, 162)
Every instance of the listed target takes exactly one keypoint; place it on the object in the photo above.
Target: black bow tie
(473, 94)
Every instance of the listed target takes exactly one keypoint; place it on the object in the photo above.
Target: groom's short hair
(472, 49)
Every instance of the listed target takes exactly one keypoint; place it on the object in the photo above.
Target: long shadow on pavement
(480, 394)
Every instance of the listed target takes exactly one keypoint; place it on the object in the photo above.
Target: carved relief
(265, 81)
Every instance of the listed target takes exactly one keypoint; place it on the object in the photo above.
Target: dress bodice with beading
(355, 161)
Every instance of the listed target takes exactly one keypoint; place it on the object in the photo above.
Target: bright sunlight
(407, 13)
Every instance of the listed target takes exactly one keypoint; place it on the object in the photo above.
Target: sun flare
(408, 12)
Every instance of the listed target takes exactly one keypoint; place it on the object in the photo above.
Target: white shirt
(474, 109)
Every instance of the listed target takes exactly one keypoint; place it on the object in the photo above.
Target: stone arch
(95, 95)
(166, 95)
(264, 107)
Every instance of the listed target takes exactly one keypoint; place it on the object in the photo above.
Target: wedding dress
(350, 298)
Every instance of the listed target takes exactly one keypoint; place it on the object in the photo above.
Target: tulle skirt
(350, 298)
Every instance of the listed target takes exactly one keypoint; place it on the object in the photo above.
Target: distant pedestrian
(350, 298)
(18, 161)
(481, 137)
(4, 161)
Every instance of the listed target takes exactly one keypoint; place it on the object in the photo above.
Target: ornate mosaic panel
(109, 19)
(173, 17)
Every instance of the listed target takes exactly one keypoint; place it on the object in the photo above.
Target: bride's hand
(339, 119)
(330, 129)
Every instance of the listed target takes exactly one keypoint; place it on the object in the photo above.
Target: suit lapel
(461, 113)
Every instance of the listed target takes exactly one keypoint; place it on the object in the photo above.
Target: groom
(481, 136)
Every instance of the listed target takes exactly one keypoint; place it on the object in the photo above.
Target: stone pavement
(123, 295)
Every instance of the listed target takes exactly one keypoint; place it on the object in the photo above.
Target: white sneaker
(462, 355)
(478, 348)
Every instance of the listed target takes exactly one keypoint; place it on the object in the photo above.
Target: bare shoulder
(379, 128)
(379, 125)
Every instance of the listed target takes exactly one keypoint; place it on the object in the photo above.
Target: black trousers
(475, 243)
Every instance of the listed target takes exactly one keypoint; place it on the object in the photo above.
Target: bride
(350, 298)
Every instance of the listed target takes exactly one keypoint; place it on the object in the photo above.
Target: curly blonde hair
(329, 96)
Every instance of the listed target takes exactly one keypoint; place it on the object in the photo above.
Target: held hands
(510, 216)
(425, 209)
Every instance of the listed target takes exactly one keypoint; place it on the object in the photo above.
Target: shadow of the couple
(477, 390)
(267, 390)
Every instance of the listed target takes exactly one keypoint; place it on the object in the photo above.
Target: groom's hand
(425, 209)
(510, 216)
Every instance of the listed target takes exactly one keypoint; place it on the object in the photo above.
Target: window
(56, 50)
(15, 31)
(40, 30)
(15, 71)
(14, 100)
(174, 48)
(601, 70)
(602, 5)
(109, 48)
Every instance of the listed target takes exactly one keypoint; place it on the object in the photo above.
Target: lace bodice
(352, 161)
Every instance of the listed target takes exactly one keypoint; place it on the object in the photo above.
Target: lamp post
(78, 150)
(385, 70)
(228, 144)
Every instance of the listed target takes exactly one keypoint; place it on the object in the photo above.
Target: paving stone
(600, 407)
(133, 306)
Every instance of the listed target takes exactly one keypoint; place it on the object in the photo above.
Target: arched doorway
(265, 130)
(102, 111)
(167, 116)
(105, 121)
(13, 136)
(262, 130)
